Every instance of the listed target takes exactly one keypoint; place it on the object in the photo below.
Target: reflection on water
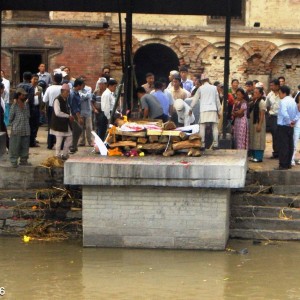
(39, 270)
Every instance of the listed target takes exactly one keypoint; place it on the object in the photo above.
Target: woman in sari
(239, 113)
(257, 126)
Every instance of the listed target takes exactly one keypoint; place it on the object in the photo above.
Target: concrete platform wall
(155, 217)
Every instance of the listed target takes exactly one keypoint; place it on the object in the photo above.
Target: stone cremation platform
(157, 202)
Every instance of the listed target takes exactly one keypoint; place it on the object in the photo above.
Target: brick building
(265, 42)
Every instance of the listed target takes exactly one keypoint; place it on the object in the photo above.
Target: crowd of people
(67, 104)
(248, 110)
(72, 110)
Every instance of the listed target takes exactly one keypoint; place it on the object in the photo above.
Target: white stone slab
(215, 169)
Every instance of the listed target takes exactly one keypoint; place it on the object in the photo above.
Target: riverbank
(32, 195)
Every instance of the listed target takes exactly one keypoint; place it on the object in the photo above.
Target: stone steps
(17, 194)
(264, 223)
(30, 177)
(274, 178)
(268, 213)
(265, 212)
(22, 208)
(264, 234)
(238, 199)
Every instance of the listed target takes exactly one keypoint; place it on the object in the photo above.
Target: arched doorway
(155, 58)
(287, 63)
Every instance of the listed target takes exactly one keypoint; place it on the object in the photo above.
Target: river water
(65, 270)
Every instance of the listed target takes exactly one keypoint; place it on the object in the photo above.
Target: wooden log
(184, 136)
(154, 132)
(129, 138)
(194, 152)
(142, 140)
(153, 138)
(130, 133)
(175, 139)
(123, 144)
(194, 136)
(169, 125)
(187, 145)
(156, 122)
(154, 146)
(168, 153)
(179, 133)
(163, 139)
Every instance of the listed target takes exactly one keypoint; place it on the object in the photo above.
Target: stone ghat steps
(274, 178)
(35, 212)
(247, 199)
(30, 177)
(20, 209)
(275, 188)
(269, 212)
(264, 234)
(17, 194)
(265, 223)
(249, 211)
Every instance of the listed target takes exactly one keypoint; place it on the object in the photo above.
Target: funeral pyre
(141, 137)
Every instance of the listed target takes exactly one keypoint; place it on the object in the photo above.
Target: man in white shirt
(6, 97)
(210, 109)
(86, 114)
(172, 75)
(35, 113)
(51, 94)
(108, 100)
(272, 103)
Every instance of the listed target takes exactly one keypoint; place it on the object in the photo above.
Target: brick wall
(84, 51)
(155, 217)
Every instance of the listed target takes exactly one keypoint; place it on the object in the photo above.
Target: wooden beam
(186, 145)
(123, 144)
(186, 7)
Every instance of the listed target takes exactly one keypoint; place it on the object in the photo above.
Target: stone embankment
(268, 207)
(41, 213)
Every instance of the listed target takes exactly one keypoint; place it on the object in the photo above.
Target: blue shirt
(164, 101)
(74, 102)
(188, 85)
(287, 111)
(86, 98)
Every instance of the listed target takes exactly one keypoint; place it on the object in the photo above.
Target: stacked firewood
(163, 139)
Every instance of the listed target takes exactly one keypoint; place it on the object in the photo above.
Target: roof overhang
(171, 7)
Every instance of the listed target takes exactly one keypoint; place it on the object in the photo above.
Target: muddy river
(65, 270)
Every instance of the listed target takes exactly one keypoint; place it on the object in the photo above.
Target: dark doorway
(155, 58)
(29, 62)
